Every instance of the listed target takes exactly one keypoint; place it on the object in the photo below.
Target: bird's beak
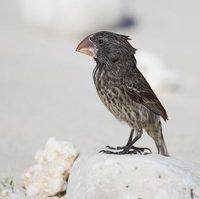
(87, 47)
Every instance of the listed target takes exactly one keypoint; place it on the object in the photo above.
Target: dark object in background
(127, 18)
(126, 22)
(124, 90)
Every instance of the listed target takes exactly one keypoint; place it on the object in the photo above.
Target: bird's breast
(113, 96)
(107, 88)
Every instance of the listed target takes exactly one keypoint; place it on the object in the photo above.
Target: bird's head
(106, 46)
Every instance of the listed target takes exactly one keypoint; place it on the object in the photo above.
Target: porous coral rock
(48, 176)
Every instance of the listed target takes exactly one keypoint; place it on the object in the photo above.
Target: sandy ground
(47, 89)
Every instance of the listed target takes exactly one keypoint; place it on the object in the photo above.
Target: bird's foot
(126, 150)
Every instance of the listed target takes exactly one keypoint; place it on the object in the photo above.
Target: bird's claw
(126, 150)
(142, 150)
(123, 152)
(114, 148)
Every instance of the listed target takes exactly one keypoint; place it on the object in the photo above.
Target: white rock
(159, 76)
(132, 177)
(21, 195)
(48, 176)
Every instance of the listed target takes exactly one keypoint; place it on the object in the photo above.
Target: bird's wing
(140, 91)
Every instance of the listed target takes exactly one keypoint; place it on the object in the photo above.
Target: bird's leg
(130, 137)
(128, 148)
(132, 142)
(121, 147)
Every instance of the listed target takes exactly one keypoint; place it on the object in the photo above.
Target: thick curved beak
(87, 47)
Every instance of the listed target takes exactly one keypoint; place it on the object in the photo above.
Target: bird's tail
(161, 146)
(156, 133)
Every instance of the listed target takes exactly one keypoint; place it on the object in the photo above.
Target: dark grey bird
(124, 90)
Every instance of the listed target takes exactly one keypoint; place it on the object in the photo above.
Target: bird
(124, 90)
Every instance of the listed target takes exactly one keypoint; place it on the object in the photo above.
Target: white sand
(47, 89)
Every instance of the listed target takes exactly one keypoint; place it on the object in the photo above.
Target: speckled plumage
(118, 101)
(124, 90)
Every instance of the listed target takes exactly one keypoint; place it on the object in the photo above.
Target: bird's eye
(100, 41)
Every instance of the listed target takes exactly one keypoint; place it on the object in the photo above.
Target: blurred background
(47, 88)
